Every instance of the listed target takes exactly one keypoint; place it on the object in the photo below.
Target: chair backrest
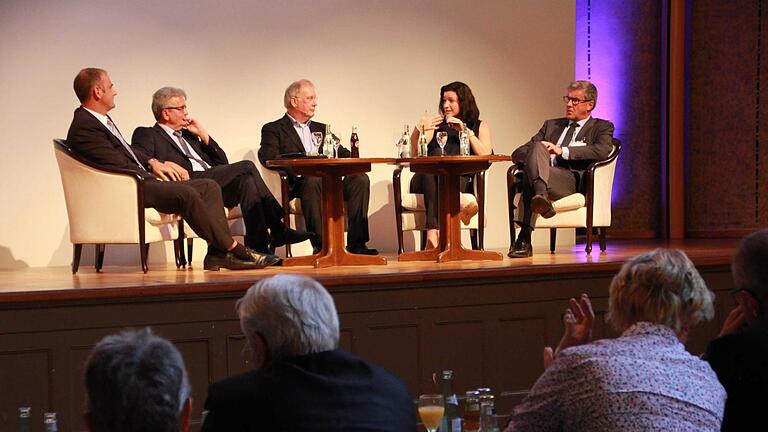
(102, 207)
(602, 182)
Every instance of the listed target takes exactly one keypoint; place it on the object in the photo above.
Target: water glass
(442, 139)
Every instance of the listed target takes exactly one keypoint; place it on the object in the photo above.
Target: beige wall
(376, 64)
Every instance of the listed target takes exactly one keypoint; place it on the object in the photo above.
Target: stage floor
(57, 283)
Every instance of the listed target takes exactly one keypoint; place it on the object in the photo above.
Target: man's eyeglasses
(180, 108)
(574, 101)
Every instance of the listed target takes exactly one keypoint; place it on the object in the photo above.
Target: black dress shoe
(264, 259)
(543, 206)
(289, 236)
(215, 261)
(362, 250)
(521, 249)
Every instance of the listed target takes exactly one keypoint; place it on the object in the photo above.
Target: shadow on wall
(8, 262)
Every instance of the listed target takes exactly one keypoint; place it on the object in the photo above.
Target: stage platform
(488, 321)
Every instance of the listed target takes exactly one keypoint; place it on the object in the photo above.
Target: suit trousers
(541, 178)
(198, 201)
(241, 183)
(356, 195)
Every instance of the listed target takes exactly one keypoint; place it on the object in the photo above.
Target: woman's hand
(455, 123)
(430, 124)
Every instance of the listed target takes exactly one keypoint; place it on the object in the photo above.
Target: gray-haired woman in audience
(643, 380)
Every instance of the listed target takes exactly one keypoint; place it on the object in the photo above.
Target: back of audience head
(288, 315)
(750, 273)
(136, 381)
(660, 287)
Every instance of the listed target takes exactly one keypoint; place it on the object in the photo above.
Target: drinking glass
(336, 144)
(317, 138)
(431, 410)
(442, 138)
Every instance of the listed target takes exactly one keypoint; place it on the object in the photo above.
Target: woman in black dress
(458, 111)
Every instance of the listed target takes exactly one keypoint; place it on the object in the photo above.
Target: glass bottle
(451, 421)
(49, 422)
(354, 143)
(423, 145)
(487, 410)
(405, 144)
(328, 142)
(24, 423)
(464, 141)
(472, 411)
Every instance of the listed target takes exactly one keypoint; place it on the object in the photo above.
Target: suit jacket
(326, 391)
(740, 361)
(158, 144)
(596, 133)
(280, 137)
(89, 137)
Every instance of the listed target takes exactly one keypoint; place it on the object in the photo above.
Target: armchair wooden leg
(77, 250)
(99, 256)
(588, 249)
(144, 251)
(474, 238)
(552, 239)
(288, 253)
(601, 235)
(423, 240)
(178, 253)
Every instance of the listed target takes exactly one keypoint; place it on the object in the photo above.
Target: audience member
(136, 382)
(556, 158)
(643, 380)
(302, 381)
(182, 139)
(292, 133)
(740, 355)
(458, 112)
(95, 136)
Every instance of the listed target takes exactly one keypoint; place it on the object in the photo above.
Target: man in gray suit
(556, 157)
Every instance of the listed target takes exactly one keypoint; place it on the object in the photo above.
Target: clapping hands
(577, 327)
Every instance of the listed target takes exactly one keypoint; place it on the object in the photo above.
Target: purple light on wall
(602, 44)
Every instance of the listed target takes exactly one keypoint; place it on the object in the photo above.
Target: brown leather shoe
(543, 206)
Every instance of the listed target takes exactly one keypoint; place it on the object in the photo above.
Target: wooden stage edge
(55, 284)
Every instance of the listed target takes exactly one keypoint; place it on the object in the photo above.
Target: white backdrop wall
(376, 64)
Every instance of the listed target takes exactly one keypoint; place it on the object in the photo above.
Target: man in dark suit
(179, 138)
(739, 356)
(293, 134)
(556, 157)
(302, 381)
(94, 135)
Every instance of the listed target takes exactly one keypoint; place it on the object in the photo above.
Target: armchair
(107, 207)
(591, 209)
(410, 213)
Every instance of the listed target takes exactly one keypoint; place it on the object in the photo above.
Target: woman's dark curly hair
(468, 111)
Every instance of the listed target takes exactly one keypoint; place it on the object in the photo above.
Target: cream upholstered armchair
(591, 209)
(107, 207)
(410, 213)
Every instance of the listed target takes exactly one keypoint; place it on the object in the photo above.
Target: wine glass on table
(431, 410)
(442, 138)
(317, 138)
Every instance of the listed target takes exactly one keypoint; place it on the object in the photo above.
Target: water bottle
(405, 144)
(49, 422)
(328, 142)
(464, 142)
(24, 423)
(423, 145)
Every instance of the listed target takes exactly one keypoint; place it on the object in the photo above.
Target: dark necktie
(187, 150)
(115, 132)
(569, 135)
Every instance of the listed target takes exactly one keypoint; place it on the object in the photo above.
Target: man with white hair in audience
(302, 381)
(136, 382)
(739, 355)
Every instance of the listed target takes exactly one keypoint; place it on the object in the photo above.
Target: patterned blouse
(644, 380)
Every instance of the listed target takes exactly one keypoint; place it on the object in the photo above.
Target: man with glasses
(556, 157)
(739, 356)
(94, 135)
(292, 134)
(181, 141)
